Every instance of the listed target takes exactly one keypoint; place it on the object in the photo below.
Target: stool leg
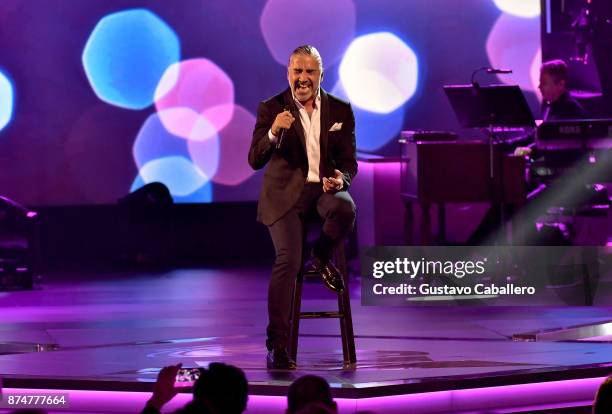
(344, 306)
(295, 316)
(347, 323)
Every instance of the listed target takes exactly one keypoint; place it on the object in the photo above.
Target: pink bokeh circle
(191, 90)
(234, 141)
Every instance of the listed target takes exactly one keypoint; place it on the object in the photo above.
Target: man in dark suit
(306, 137)
(557, 103)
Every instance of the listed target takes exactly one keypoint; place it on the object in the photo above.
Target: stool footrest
(314, 315)
(342, 314)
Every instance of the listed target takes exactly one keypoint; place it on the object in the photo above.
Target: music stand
(489, 107)
(486, 106)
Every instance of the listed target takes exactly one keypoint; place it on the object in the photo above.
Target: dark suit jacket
(287, 167)
(565, 107)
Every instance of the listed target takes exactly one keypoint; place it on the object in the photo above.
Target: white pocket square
(336, 127)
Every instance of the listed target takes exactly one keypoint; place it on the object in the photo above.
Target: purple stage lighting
(154, 141)
(206, 155)
(95, 162)
(285, 25)
(521, 397)
(234, 141)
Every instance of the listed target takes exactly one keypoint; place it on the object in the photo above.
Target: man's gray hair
(310, 51)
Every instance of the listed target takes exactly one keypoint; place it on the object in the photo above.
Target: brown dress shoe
(332, 278)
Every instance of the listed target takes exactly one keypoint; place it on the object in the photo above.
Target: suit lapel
(297, 124)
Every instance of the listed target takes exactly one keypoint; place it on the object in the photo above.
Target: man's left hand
(333, 184)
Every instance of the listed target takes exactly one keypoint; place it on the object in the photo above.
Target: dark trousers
(338, 212)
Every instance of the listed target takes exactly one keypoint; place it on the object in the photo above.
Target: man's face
(304, 76)
(551, 90)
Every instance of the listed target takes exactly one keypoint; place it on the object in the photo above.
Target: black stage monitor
(484, 106)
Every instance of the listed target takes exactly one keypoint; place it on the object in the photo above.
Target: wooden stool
(343, 313)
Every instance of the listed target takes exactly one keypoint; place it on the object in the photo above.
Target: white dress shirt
(312, 132)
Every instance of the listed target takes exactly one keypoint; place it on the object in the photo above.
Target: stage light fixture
(178, 173)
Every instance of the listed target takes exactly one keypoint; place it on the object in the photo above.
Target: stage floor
(113, 331)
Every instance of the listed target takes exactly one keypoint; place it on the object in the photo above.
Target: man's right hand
(164, 389)
(523, 151)
(282, 121)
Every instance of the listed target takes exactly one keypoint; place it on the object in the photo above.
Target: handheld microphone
(501, 71)
(280, 138)
(282, 134)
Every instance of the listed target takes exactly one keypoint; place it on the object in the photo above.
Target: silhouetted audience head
(603, 399)
(222, 388)
(306, 390)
